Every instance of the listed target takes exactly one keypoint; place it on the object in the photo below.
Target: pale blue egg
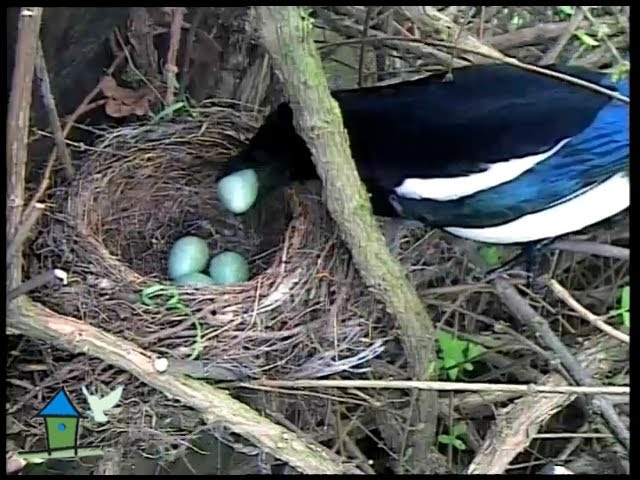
(239, 190)
(188, 255)
(228, 268)
(195, 278)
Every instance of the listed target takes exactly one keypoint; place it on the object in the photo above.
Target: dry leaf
(124, 101)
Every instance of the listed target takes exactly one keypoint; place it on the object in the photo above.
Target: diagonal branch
(216, 406)
(287, 35)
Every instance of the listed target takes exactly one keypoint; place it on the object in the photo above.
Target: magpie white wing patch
(444, 189)
(579, 211)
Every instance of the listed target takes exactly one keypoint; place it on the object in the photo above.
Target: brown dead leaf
(125, 101)
(118, 109)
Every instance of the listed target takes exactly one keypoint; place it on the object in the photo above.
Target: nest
(142, 187)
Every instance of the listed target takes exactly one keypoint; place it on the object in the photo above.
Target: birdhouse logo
(62, 425)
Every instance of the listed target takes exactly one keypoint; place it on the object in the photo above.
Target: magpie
(496, 154)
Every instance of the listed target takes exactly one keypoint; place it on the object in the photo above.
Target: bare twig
(552, 55)
(594, 22)
(52, 111)
(59, 276)
(527, 36)
(33, 210)
(216, 406)
(29, 219)
(518, 424)
(18, 129)
(186, 60)
(441, 386)
(593, 319)
(83, 107)
(507, 60)
(365, 33)
(170, 69)
(521, 309)
(592, 248)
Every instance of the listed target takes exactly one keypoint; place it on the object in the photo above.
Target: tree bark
(287, 35)
(18, 129)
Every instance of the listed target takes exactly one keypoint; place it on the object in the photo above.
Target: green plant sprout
(456, 354)
(174, 303)
(625, 307)
(452, 438)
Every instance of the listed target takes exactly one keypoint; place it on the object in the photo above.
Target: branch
(287, 35)
(529, 389)
(18, 128)
(517, 424)
(216, 406)
(593, 319)
(177, 14)
(521, 309)
(52, 112)
(592, 248)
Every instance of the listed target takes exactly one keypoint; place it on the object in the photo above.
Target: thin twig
(186, 60)
(132, 65)
(65, 131)
(593, 319)
(365, 32)
(441, 386)
(55, 275)
(594, 22)
(592, 248)
(527, 36)
(170, 69)
(29, 219)
(521, 309)
(507, 60)
(52, 112)
(552, 55)
(18, 116)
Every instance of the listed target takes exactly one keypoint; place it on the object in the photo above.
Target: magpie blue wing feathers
(485, 115)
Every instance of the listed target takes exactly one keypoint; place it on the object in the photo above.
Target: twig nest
(158, 260)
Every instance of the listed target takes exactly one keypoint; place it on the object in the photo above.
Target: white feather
(444, 189)
(599, 203)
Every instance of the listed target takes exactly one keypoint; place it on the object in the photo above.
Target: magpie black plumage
(498, 154)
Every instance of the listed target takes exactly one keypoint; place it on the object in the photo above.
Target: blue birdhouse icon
(62, 422)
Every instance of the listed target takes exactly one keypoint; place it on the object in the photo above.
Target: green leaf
(459, 444)
(625, 305)
(586, 39)
(620, 71)
(446, 439)
(459, 429)
(565, 11)
(455, 354)
(491, 255)
(168, 112)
